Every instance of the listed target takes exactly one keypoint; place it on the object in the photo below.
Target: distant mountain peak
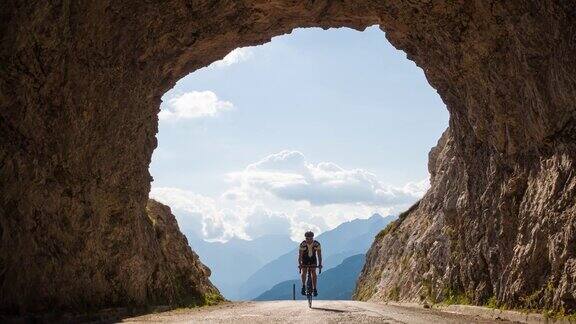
(347, 239)
(272, 236)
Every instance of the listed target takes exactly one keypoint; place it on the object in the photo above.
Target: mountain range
(232, 262)
(348, 239)
(337, 283)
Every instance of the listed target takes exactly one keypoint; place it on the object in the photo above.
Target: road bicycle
(309, 288)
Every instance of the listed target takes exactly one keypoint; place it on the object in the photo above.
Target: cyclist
(309, 248)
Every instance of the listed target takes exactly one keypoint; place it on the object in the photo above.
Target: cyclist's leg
(306, 261)
(303, 274)
(310, 280)
(314, 277)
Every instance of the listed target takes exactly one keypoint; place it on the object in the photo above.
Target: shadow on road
(330, 310)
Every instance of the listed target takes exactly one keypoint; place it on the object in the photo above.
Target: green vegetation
(568, 317)
(531, 301)
(388, 229)
(213, 299)
(492, 302)
(457, 299)
(559, 315)
(426, 294)
(208, 299)
(452, 297)
(394, 294)
(449, 296)
(530, 306)
(366, 286)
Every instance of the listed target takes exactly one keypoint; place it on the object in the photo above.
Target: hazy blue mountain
(234, 261)
(337, 283)
(350, 238)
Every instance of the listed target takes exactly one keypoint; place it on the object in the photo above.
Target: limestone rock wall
(80, 89)
(491, 232)
(179, 277)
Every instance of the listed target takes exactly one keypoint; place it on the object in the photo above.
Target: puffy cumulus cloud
(198, 215)
(300, 227)
(284, 161)
(201, 217)
(194, 104)
(261, 221)
(287, 175)
(285, 194)
(305, 220)
(317, 220)
(236, 56)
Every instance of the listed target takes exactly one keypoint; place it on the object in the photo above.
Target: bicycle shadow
(330, 310)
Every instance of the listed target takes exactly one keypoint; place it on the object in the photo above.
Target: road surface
(323, 311)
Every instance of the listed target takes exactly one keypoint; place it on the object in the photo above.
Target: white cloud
(287, 175)
(263, 222)
(194, 104)
(285, 194)
(198, 215)
(207, 218)
(236, 56)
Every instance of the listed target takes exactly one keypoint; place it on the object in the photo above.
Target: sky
(310, 130)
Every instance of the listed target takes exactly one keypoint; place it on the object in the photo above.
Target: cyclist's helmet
(309, 234)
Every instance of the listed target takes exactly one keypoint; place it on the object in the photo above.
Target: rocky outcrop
(489, 231)
(179, 278)
(80, 88)
(162, 270)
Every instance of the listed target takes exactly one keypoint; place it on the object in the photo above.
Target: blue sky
(312, 129)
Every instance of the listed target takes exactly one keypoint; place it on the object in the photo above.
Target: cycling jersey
(309, 252)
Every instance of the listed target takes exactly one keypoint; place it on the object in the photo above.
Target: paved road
(323, 311)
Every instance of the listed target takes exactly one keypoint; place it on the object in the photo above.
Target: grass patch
(388, 229)
(213, 299)
(198, 299)
(455, 298)
(557, 315)
(492, 302)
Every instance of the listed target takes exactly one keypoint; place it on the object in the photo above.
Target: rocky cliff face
(490, 230)
(161, 270)
(499, 222)
(80, 88)
(178, 277)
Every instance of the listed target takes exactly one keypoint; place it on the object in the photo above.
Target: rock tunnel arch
(80, 90)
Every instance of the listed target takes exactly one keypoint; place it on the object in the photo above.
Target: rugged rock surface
(80, 88)
(489, 232)
(165, 272)
(179, 277)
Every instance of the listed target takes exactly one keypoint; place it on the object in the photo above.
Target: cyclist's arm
(319, 258)
(300, 257)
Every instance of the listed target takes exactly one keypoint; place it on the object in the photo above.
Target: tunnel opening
(81, 86)
(311, 130)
